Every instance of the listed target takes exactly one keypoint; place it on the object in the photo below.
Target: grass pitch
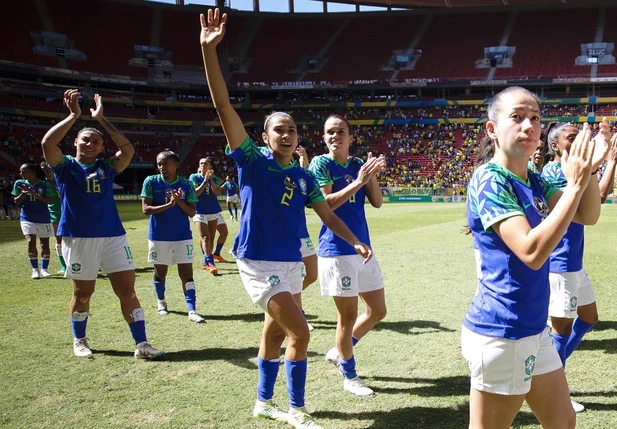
(412, 359)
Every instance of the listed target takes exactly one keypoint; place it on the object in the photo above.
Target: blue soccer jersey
(512, 299)
(207, 201)
(172, 224)
(231, 187)
(33, 210)
(273, 199)
(329, 171)
(568, 255)
(88, 206)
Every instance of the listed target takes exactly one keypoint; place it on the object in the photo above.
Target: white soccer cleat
(311, 328)
(194, 317)
(36, 274)
(81, 347)
(268, 410)
(45, 274)
(356, 386)
(333, 357)
(578, 408)
(300, 419)
(162, 307)
(146, 351)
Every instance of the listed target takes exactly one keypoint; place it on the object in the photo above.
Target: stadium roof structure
(414, 4)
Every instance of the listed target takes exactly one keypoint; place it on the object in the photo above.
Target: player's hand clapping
(97, 114)
(71, 101)
(577, 162)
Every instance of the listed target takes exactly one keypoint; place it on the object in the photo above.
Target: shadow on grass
(605, 325)
(419, 418)
(243, 317)
(411, 327)
(149, 269)
(609, 345)
(244, 358)
(445, 386)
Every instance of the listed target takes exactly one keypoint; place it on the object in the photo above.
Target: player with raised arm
(32, 193)
(274, 191)
(207, 188)
(517, 218)
(346, 182)
(55, 211)
(91, 230)
(169, 200)
(571, 292)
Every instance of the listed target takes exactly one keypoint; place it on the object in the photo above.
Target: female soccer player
(32, 193)
(232, 197)
(346, 181)
(55, 212)
(571, 292)
(273, 191)
(170, 200)
(517, 219)
(207, 188)
(91, 230)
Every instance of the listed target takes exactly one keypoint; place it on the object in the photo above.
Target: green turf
(412, 359)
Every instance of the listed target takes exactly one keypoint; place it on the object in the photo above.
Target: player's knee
(275, 339)
(83, 295)
(378, 314)
(299, 337)
(569, 419)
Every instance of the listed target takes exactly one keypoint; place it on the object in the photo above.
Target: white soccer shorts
(205, 218)
(170, 252)
(307, 248)
(233, 199)
(347, 276)
(42, 230)
(264, 279)
(506, 367)
(568, 292)
(84, 256)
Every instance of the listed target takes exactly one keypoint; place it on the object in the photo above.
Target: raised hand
(367, 169)
(209, 174)
(363, 250)
(71, 101)
(98, 113)
(577, 162)
(602, 144)
(176, 195)
(212, 28)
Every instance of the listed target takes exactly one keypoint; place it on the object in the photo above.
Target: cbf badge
(303, 187)
(349, 179)
(530, 365)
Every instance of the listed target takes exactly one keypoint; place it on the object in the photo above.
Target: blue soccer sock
(560, 342)
(206, 261)
(236, 211)
(79, 325)
(159, 288)
(210, 259)
(348, 367)
(218, 249)
(354, 340)
(296, 381)
(34, 263)
(268, 370)
(189, 295)
(138, 330)
(579, 329)
(44, 263)
(230, 213)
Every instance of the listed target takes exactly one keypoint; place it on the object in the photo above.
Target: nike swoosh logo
(526, 206)
(275, 170)
(337, 178)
